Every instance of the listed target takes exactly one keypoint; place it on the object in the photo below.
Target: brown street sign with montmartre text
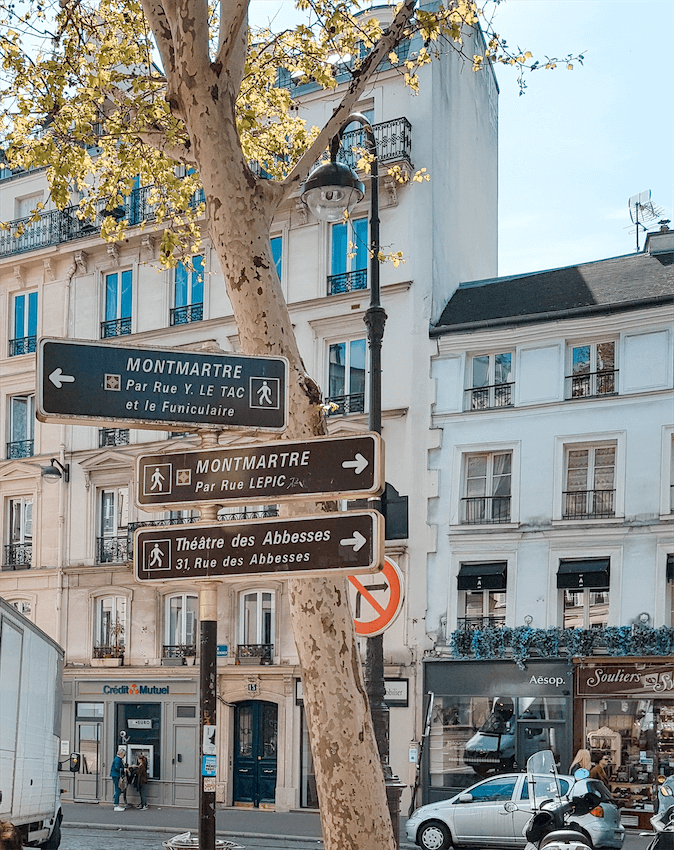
(325, 467)
(350, 542)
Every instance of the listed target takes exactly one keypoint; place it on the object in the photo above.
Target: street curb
(230, 835)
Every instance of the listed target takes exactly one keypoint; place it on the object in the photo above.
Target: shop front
(156, 717)
(488, 717)
(625, 711)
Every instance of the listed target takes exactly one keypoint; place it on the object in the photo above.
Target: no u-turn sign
(376, 599)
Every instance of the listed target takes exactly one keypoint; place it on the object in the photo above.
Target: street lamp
(331, 190)
(55, 471)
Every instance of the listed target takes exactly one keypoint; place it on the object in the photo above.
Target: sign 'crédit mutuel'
(350, 542)
(81, 381)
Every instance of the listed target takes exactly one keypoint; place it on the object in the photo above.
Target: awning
(670, 567)
(491, 576)
(579, 574)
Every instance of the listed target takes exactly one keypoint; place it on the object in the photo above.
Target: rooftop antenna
(643, 211)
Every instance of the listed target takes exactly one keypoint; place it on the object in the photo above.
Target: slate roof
(605, 286)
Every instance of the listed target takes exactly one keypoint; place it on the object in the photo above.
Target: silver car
(477, 816)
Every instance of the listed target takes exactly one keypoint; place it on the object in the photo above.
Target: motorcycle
(550, 825)
(663, 824)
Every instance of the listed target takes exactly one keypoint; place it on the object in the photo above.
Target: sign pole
(208, 630)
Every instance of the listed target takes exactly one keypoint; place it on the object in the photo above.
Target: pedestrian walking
(117, 770)
(141, 779)
(599, 772)
(581, 759)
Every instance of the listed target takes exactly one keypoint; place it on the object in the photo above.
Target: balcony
(474, 623)
(56, 227)
(489, 398)
(255, 653)
(346, 404)
(19, 448)
(591, 384)
(113, 550)
(185, 315)
(24, 345)
(347, 281)
(116, 327)
(393, 138)
(589, 504)
(113, 437)
(179, 655)
(108, 651)
(485, 510)
(17, 556)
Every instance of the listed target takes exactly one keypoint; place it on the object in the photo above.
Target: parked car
(477, 816)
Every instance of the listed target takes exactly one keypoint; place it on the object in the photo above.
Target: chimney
(661, 242)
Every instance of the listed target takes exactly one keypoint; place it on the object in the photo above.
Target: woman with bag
(141, 779)
(116, 771)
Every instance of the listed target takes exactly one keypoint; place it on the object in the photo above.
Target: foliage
(522, 642)
(84, 92)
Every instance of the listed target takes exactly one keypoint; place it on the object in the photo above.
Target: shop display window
(473, 737)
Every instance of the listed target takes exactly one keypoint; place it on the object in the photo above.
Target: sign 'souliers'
(350, 542)
(159, 388)
(333, 467)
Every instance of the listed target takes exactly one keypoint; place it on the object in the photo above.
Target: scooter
(663, 824)
(549, 826)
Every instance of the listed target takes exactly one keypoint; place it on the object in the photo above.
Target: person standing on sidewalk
(141, 779)
(117, 770)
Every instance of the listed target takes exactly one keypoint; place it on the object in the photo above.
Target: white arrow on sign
(357, 541)
(358, 464)
(58, 378)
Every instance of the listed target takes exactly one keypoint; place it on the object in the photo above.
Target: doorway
(255, 752)
(88, 784)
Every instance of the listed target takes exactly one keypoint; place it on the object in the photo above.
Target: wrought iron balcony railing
(255, 653)
(55, 227)
(393, 139)
(113, 437)
(487, 398)
(485, 622)
(189, 313)
(180, 650)
(485, 510)
(354, 403)
(108, 651)
(17, 556)
(112, 550)
(592, 384)
(589, 504)
(19, 448)
(23, 345)
(347, 281)
(116, 327)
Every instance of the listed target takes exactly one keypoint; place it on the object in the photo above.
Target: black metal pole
(207, 688)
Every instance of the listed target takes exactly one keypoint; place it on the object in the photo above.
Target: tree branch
(233, 14)
(361, 78)
(189, 26)
(156, 18)
(157, 139)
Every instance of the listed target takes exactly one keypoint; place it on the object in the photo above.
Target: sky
(578, 144)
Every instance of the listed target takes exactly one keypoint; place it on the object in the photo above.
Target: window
(23, 606)
(590, 482)
(349, 254)
(482, 597)
(593, 371)
(585, 587)
(21, 426)
(24, 207)
(494, 791)
(25, 324)
(671, 477)
(188, 293)
(487, 483)
(180, 626)
(113, 543)
(256, 628)
(19, 545)
(346, 376)
(118, 300)
(491, 382)
(113, 437)
(110, 627)
(277, 253)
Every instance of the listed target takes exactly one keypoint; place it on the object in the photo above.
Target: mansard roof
(605, 286)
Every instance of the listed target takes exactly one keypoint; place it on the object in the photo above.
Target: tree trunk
(349, 777)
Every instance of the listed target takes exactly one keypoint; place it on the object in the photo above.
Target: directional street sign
(334, 466)
(159, 387)
(350, 542)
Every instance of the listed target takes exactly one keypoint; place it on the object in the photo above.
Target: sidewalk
(300, 826)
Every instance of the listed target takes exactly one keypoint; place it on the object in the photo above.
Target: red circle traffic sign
(376, 599)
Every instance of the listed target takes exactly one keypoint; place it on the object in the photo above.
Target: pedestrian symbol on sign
(157, 478)
(265, 393)
(157, 555)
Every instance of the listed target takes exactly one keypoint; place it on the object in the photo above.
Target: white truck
(30, 725)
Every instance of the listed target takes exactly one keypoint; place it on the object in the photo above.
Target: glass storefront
(489, 717)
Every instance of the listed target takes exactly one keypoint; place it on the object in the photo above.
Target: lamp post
(329, 191)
